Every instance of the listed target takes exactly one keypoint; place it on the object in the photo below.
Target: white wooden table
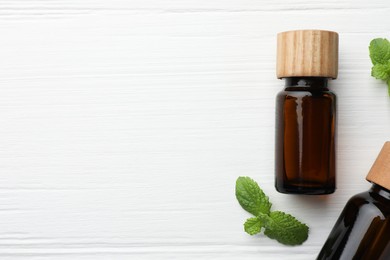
(124, 124)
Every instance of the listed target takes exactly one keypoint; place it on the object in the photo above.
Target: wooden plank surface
(124, 124)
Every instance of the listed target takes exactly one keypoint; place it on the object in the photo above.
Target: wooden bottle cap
(380, 170)
(307, 53)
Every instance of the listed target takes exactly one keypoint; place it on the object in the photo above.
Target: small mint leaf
(381, 71)
(286, 229)
(252, 226)
(388, 87)
(379, 51)
(251, 197)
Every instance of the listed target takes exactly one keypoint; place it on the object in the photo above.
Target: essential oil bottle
(363, 229)
(306, 112)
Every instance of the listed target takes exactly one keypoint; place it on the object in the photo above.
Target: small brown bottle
(306, 112)
(362, 231)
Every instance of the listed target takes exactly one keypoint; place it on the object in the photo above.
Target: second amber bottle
(306, 112)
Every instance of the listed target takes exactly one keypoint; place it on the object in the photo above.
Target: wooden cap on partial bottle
(380, 171)
(307, 53)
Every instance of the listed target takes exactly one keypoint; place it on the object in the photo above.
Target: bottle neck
(311, 83)
(375, 188)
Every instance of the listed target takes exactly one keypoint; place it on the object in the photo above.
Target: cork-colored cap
(308, 53)
(380, 171)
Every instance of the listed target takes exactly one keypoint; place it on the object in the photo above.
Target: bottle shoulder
(360, 198)
(376, 204)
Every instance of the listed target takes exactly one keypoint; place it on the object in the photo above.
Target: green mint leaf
(388, 86)
(253, 226)
(278, 225)
(379, 51)
(285, 228)
(380, 57)
(381, 71)
(251, 197)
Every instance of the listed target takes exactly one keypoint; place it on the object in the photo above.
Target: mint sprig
(380, 58)
(278, 225)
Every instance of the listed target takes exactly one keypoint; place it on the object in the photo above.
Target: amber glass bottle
(305, 136)
(362, 231)
(306, 112)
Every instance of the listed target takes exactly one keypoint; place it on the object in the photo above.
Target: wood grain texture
(311, 53)
(124, 124)
(380, 170)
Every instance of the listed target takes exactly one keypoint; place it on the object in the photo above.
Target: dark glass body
(305, 137)
(362, 231)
